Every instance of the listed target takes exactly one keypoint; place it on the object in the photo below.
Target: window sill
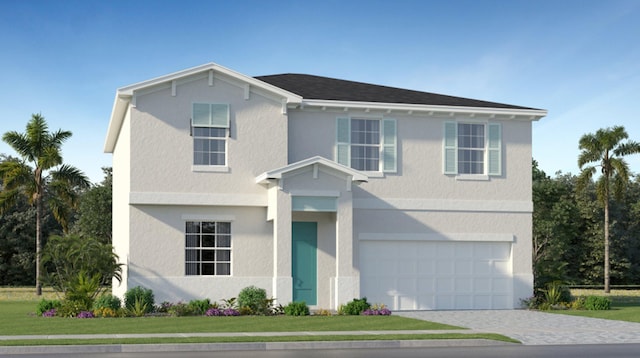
(472, 177)
(374, 174)
(209, 169)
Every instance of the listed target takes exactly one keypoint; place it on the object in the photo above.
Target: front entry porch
(310, 204)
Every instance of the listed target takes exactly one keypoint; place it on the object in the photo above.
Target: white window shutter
(390, 146)
(343, 141)
(220, 115)
(495, 149)
(201, 114)
(450, 150)
(210, 115)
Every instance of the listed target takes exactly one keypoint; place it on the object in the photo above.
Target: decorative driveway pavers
(535, 328)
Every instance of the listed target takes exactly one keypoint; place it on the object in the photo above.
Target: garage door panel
(444, 267)
(426, 267)
(464, 267)
(464, 251)
(408, 275)
(482, 267)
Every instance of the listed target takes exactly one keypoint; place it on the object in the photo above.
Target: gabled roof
(317, 160)
(325, 88)
(125, 94)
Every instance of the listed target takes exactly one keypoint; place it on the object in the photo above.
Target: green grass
(625, 305)
(18, 318)
(254, 339)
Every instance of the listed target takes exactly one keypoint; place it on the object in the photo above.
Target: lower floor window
(208, 248)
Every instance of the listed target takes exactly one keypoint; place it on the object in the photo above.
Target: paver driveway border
(537, 328)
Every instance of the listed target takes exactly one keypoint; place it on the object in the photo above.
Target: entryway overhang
(316, 163)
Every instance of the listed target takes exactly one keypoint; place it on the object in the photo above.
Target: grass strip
(256, 339)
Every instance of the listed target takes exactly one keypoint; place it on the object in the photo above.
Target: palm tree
(605, 148)
(41, 177)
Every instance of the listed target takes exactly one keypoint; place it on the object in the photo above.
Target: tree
(41, 176)
(606, 149)
(80, 268)
(555, 215)
(94, 211)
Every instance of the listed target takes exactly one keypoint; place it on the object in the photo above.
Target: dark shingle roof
(325, 88)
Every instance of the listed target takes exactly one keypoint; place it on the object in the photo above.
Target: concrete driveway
(534, 328)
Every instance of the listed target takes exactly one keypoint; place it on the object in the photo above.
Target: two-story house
(321, 190)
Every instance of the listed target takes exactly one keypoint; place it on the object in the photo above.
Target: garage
(437, 275)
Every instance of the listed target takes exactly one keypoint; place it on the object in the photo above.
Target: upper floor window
(473, 148)
(210, 128)
(367, 144)
(208, 248)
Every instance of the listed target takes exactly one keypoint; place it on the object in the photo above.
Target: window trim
(217, 168)
(492, 150)
(387, 147)
(200, 219)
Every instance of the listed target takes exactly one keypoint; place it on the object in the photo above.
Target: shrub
(164, 307)
(296, 309)
(50, 313)
(199, 307)
(377, 310)
(323, 312)
(230, 303)
(355, 307)
(70, 308)
(142, 297)
(597, 303)
(85, 314)
(107, 301)
(212, 312)
(255, 299)
(180, 309)
(46, 306)
(106, 312)
(577, 304)
(531, 302)
(556, 293)
(138, 309)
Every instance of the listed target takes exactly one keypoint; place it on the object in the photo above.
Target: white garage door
(426, 275)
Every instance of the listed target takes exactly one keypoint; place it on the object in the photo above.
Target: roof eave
(119, 110)
(531, 114)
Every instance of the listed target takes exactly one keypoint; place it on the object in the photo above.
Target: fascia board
(120, 104)
(534, 114)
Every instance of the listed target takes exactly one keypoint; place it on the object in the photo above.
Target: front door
(304, 243)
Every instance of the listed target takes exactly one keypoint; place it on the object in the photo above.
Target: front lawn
(18, 318)
(625, 305)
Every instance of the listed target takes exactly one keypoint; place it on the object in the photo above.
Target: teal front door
(304, 243)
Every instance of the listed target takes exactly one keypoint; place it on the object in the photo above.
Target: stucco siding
(157, 254)
(420, 157)
(162, 154)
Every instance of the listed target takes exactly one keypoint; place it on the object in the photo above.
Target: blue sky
(580, 60)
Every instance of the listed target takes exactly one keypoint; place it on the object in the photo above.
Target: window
(209, 146)
(210, 128)
(367, 144)
(472, 148)
(207, 248)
